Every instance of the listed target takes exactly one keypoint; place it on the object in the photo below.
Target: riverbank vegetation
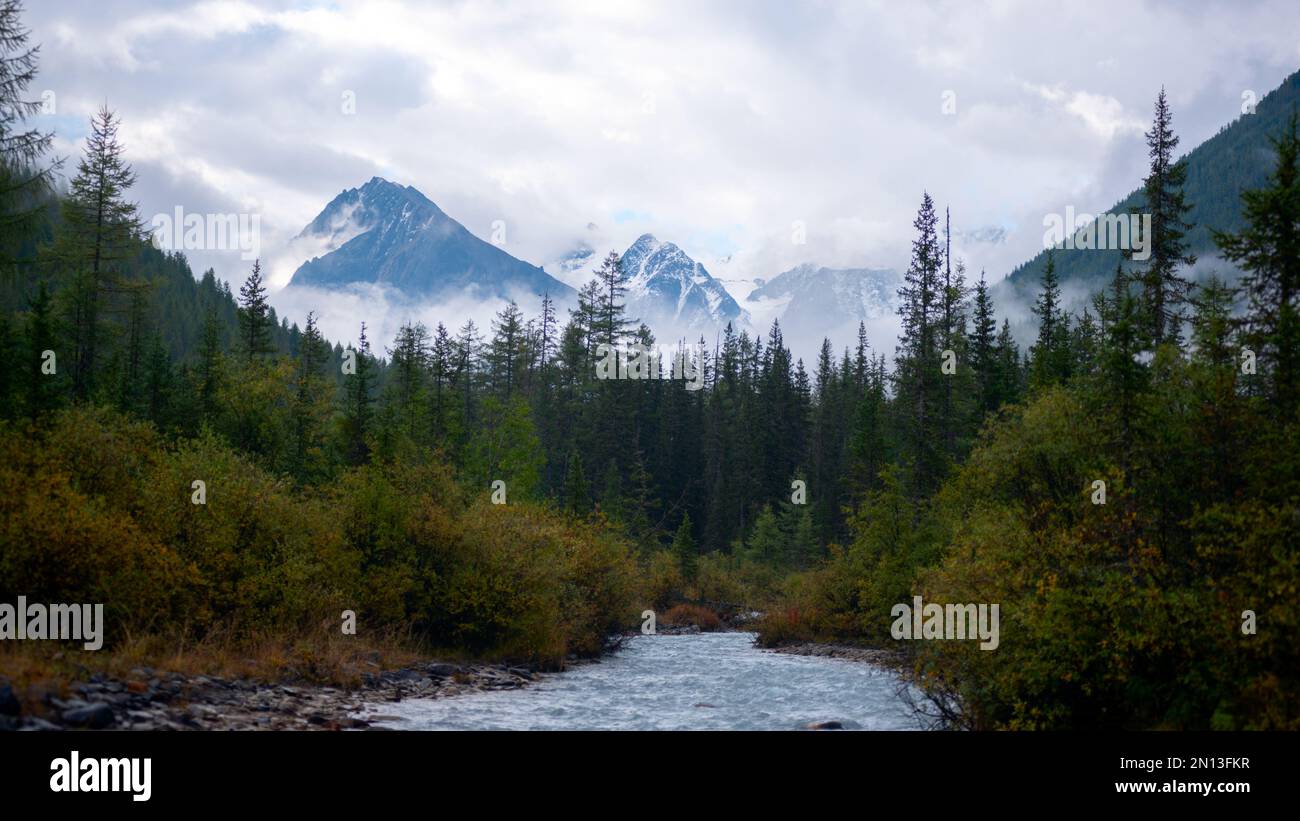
(1130, 498)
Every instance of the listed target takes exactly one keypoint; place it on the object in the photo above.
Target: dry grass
(701, 617)
(37, 668)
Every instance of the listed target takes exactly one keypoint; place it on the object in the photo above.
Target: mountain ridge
(667, 286)
(387, 234)
(1237, 158)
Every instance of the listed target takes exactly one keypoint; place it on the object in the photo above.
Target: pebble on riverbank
(155, 700)
(870, 655)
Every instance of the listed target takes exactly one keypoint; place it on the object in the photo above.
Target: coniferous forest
(224, 480)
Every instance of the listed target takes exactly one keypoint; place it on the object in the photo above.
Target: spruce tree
(546, 338)
(210, 370)
(1213, 324)
(309, 410)
(685, 549)
(861, 359)
(576, 497)
(1214, 371)
(642, 505)
(468, 347)
(1164, 290)
(159, 383)
(41, 389)
(100, 231)
(959, 384)
(26, 181)
(1123, 377)
(408, 362)
(1268, 251)
(255, 316)
(983, 340)
(130, 378)
(611, 494)
(610, 322)
(767, 543)
(1047, 357)
(358, 407)
(1007, 354)
(802, 546)
(442, 403)
(504, 351)
(1082, 346)
(918, 364)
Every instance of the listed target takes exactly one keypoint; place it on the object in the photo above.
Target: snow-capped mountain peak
(378, 203)
(393, 235)
(666, 287)
(814, 301)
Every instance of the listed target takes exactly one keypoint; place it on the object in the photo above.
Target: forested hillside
(1219, 170)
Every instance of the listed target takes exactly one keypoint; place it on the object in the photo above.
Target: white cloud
(713, 125)
(1104, 115)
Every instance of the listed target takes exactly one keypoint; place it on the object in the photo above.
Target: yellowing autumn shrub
(193, 539)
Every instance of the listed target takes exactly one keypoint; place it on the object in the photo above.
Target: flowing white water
(709, 681)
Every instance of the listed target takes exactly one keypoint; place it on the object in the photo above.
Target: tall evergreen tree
(1213, 324)
(505, 351)
(546, 346)
(1007, 354)
(1124, 377)
(1164, 289)
(983, 340)
(685, 549)
(958, 384)
(1268, 251)
(611, 324)
(159, 383)
(309, 410)
(408, 365)
(255, 321)
(917, 371)
(468, 347)
(41, 388)
(210, 370)
(26, 180)
(1050, 353)
(442, 402)
(1082, 345)
(100, 231)
(358, 406)
(131, 364)
(576, 497)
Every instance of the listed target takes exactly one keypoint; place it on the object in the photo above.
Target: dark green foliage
(1164, 289)
(1268, 250)
(255, 316)
(1127, 517)
(98, 236)
(685, 549)
(25, 176)
(1050, 355)
(1235, 159)
(359, 400)
(917, 375)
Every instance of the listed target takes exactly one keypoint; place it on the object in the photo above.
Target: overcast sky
(715, 125)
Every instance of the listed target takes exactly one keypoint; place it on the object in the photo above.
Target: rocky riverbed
(154, 700)
(148, 699)
(884, 658)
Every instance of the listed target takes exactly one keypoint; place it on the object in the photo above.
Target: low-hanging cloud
(714, 125)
